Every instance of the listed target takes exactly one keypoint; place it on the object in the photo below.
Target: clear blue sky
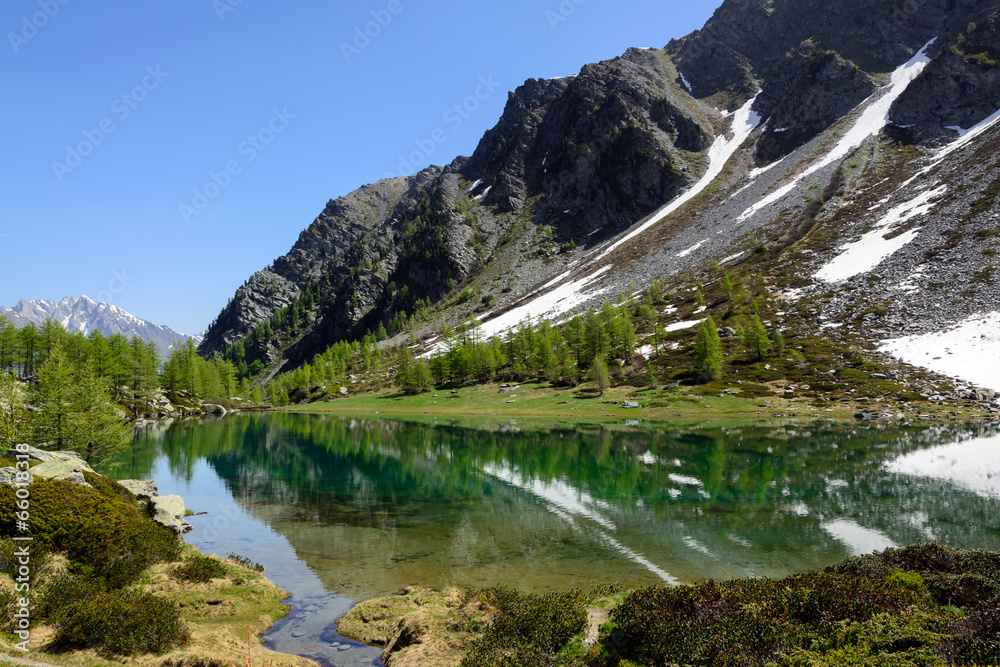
(152, 98)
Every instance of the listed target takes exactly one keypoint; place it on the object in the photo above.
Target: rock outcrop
(168, 511)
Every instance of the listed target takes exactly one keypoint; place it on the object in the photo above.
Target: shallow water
(340, 510)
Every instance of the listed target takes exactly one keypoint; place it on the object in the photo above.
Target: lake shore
(677, 406)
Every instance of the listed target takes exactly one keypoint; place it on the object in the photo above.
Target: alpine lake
(341, 509)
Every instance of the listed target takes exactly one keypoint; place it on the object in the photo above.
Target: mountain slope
(826, 137)
(84, 315)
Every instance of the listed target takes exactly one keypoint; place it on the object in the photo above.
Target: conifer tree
(708, 352)
(12, 415)
(599, 374)
(53, 398)
(96, 428)
(756, 339)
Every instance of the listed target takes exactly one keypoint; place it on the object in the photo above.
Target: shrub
(105, 533)
(200, 569)
(528, 630)
(121, 622)
(246, 562)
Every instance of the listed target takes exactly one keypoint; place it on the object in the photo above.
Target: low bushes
(527, 630)
(200, 569)
(919, 606)
(109, 543)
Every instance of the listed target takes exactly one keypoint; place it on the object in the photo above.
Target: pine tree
(708, 352)
(778, 342)
(53, 398)
(650, 375)
(97, 428)
(13, 423)
(599, 374)
(756, 339)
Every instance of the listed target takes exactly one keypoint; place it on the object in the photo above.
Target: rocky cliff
(795, 127)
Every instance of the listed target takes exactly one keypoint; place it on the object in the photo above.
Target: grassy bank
(108, 585)
(681, 406)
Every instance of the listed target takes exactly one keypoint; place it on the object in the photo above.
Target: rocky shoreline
(168, 511)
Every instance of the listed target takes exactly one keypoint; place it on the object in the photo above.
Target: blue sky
(157, 154)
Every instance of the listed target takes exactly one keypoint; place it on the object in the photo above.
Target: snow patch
(868, 252)
(684, 80)
(685, 253)
(681, 326)
(870, 122)
(969, 351)
(557, 302)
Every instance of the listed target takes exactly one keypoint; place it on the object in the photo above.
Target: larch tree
(708, 352)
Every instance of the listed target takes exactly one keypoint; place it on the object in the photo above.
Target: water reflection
(367, 507)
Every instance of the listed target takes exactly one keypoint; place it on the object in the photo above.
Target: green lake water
(341, 510)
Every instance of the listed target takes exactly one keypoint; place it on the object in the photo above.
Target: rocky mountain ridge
(816, 134)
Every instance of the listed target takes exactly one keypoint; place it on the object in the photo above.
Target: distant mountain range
(85, 315)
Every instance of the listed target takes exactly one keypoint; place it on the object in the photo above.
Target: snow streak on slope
(561, 300)
(970, 351)
(565, 298)
(868, 252)
(871, 122)
(744, 122)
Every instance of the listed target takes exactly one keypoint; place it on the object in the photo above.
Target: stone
(981, 394)
(35, 454)
(213, 409)
(630, 405)
(169, 511)
(508, 390)
(70, 469)
(879, 376)
(343, 391)
(142, 490)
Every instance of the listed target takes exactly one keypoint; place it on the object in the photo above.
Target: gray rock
(35, 454)
(343, 391)
(982, 394)
(879, 376)
(169, 511)
(213, 409)
(70, 469)
(141, 489)
(508, 390)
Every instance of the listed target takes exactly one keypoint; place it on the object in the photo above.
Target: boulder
(982, 394)
(142, 490)
(70, 469)
(508, 390)
(169, 511)
(213, 409)
(35, 454)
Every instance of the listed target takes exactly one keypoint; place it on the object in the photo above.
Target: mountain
(84, 315)
(842, 153)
